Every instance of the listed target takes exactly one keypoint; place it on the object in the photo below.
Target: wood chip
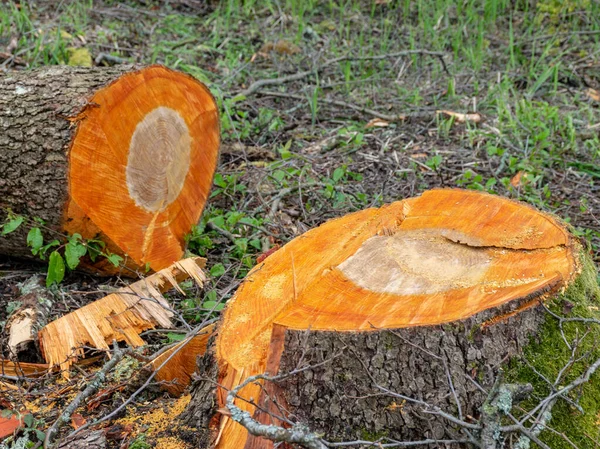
(593, 94)
(377, 123)
(120, 316)
(472, 117)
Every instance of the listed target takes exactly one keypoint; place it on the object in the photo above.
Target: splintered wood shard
(21, 369)
(175, 367)
(480, 262)
(120, 316)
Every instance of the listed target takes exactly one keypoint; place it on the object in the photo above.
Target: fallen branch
(92, 388)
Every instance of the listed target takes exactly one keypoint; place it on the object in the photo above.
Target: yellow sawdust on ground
(170, 443)
(158, 421)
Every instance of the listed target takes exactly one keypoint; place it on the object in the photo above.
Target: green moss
(140, 443)
(548, 353)
(373, 436)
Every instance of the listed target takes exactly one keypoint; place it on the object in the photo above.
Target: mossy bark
(547, 353)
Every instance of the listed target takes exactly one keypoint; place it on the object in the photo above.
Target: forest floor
(331, 107)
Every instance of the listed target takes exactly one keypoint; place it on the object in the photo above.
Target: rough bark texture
(203, 404)
(341, 400)
(37, 109)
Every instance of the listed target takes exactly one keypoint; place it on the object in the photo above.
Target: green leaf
(6, 413)
(28, 420)
(93, 251)
(217, 270)
(242, 245)
(56, 269)
(115, 259)
(12, 224)
(338, 174)
(174, 336)
(75, 238)
(218, 221)
(213, 305)
(74, 251)
(41, 436)
(35, 240)
(44, 249)
(278, 175)
(219, 181)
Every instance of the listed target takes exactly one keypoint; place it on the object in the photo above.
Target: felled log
(120, 154)
(120, 316)
(424, 298)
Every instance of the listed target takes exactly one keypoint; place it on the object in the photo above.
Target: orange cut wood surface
(174, 367)
(142, 163)
(437, 258)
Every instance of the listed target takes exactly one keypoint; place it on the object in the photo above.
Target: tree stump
(118, 154)
(395, 318)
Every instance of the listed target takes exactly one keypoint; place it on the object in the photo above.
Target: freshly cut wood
(448, 285)
(12, 368)
(120, 316)
(175, 367)
(122, 154)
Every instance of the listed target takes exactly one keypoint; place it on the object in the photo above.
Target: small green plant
(60, 255)
(140, 443)
(30, 433)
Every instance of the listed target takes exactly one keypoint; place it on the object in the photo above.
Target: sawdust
(171, 443)
(160, 423)
(527, 234)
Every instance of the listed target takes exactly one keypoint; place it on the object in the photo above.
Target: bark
(24, 324)
(202, 409)
(342, 399)
(37, 109)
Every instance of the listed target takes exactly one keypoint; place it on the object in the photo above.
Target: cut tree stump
(121, 154)
(449, 286)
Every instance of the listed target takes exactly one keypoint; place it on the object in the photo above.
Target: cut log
(424, 297)
(121, 155)
(120, 316)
